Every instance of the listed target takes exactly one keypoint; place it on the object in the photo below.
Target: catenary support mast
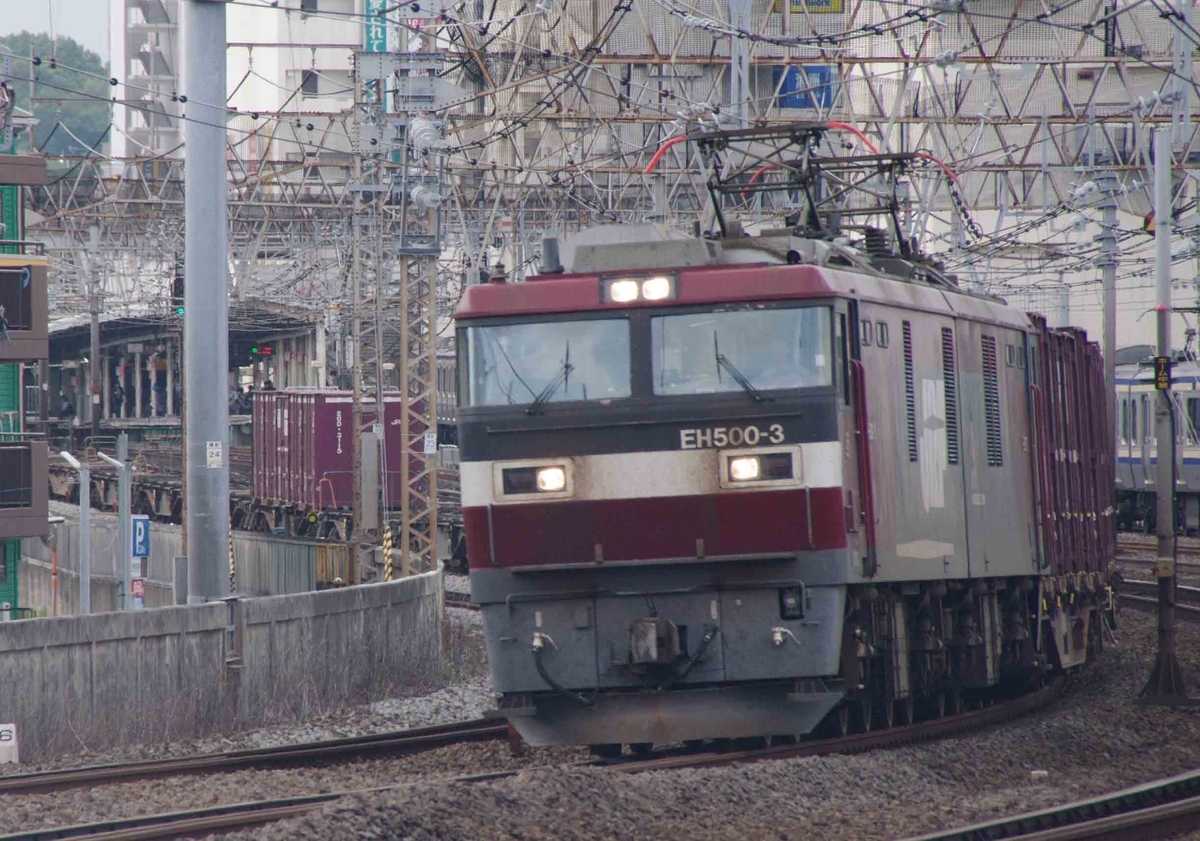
(206, 301)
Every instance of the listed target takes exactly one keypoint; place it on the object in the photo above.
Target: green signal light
(179, 310)
(254, 350)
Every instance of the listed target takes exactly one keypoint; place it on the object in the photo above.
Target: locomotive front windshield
(548, 361)
(754, 350)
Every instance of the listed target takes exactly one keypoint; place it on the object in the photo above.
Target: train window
(4, 560)
(1020, 360)
(910, 392)
(1133, 419)
(881, 334)
(950, 381)
(1124, 419)
(1193, 417)
(1033, 364)
(548, 361)
(1010, 356)
(753, 350)
(864, 336)
(991, 403)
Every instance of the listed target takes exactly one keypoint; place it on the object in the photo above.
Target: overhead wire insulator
(425, 135)
(425, 197)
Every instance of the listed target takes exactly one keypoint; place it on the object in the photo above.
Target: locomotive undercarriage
(899, 652)
(931, 648)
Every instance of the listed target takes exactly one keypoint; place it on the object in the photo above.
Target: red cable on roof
(662, 151)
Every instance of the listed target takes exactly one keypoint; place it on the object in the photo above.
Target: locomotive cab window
(548, 362)
(1193, 420)
(742, 350)
(865, 333)
(881, 334)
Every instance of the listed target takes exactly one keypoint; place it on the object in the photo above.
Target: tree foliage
(68, 101)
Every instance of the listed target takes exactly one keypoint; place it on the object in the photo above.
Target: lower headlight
(551, 479)
(743, 469)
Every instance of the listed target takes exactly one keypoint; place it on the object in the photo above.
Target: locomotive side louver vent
(950, 377)
(910, 392)
(991, 403)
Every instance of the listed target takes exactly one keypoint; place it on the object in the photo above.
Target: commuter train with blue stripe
(1137, 451)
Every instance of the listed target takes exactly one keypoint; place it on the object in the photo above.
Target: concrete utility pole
(85, 532)
(1107, 261)
(1166, 680)
(94, 366)
(124, 511)
(206, 301)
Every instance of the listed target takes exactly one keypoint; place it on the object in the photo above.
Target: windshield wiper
(562, 378)
(738, 376)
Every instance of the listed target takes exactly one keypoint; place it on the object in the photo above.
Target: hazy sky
(84, 20)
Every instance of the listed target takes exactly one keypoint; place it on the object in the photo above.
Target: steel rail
(333, 750)
(456, 599)
(195, 823)
(1147, 604)
(1135, 587)
(1157, 809)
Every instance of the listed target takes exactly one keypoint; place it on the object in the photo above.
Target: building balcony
(24, 333)
(24, 492)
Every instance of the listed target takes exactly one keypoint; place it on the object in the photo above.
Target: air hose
(539, 643)
(710, 633)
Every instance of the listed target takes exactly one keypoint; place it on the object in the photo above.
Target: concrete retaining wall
(179, 672)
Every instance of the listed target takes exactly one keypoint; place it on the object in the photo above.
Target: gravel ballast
(1094, 739)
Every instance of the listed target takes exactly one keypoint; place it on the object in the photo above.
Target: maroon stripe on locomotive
(569, 532)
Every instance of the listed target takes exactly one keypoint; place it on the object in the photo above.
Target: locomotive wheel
(642, 748)
(954, 702)
(908, 711)
(606, 751)
(939, 705)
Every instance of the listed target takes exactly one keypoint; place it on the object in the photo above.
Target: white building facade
(294, 58)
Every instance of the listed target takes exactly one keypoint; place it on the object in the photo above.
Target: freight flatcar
(740, 485)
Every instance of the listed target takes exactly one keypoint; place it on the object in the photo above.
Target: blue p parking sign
(140, 535)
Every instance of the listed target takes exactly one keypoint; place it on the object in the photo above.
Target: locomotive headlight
(551, 479)
(744, 469)
(656, 288)
(623, 291)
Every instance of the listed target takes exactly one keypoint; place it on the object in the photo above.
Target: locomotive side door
(997, 469)
(915, 449)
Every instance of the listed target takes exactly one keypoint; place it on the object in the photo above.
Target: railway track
(1134, 542)
(455, 599)
(1154, 810)
(310, 753)
(238, 816)
(1143, 596)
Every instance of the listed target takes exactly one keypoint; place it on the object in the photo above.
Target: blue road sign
(140, 534)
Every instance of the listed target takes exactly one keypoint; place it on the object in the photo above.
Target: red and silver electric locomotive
(726, 487)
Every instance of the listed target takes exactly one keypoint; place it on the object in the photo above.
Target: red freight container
(302, 445)
(1074, 466)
